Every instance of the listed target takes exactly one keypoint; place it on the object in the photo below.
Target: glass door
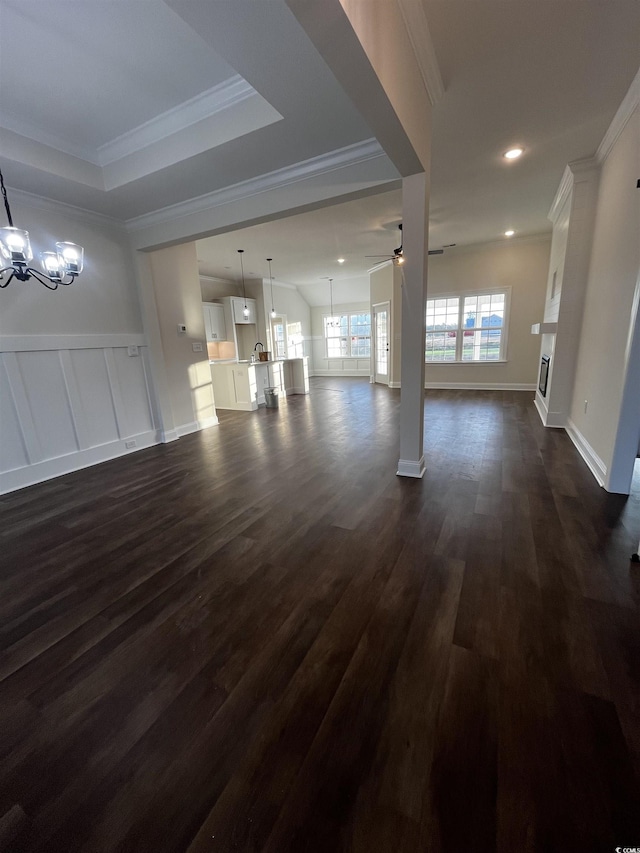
(381, 343)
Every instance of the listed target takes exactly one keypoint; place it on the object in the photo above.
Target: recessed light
(513, 153)
(340, 260)
(509, 233)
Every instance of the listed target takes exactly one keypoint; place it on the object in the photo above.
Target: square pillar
(415, 241)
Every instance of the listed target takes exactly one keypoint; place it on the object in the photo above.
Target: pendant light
(273, 310)
(333, 320)
(245, 310)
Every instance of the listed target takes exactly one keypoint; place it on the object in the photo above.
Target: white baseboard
(235, 407)
(195, 426)
(481, 386)
(594, 463)
(29, 475)
(166, 436)
(409, 468)
(187, 429)
(209, 422)
(394, 385)
(549, 419)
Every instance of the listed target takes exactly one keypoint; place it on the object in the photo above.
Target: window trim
(461, 294)
(325, 338)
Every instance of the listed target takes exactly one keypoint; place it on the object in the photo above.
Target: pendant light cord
(331, 301)
(5, 199)
(273, 310)
(244, 292)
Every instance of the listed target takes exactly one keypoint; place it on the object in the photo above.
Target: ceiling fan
(398, 254)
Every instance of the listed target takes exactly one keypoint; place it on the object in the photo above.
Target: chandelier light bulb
(15, 245)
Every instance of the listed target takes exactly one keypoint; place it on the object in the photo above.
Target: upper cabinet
(237, 309)
(214, 322)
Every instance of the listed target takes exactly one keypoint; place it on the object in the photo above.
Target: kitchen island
(240, 385)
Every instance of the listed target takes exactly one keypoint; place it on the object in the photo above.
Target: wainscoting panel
(68, 408)
(341, 367)
(93, 399)
(13, 452)
(44, 392)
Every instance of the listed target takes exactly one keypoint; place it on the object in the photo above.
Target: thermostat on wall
(181, 328)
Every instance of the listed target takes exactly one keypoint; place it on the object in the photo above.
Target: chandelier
(60, 267)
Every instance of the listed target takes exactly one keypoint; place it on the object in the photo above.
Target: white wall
(216, 288)
(103, 300)
(288, 301)
(70, 394)
(521, 265)
(602, 375)
(323, 366)
(178, 299)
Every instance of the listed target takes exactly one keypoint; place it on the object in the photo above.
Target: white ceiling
(78, 77)
(547, 75)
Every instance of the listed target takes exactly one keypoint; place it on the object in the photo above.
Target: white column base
(407, 468)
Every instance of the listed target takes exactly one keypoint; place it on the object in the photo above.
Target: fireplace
(544, 374)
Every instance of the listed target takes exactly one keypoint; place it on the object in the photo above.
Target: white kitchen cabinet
(237, 309)
(214, 321)
(234, 386)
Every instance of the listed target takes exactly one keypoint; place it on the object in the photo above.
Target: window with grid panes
(348, 336)
(466, 328)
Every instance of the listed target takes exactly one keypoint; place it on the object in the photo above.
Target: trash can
(271, 398)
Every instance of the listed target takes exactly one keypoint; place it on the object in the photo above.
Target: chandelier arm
(49, 283)
(8, 281)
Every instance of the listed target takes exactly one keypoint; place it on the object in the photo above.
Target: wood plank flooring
(258, 638)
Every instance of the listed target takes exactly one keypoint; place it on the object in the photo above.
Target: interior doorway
(381, 348)
(279, 337)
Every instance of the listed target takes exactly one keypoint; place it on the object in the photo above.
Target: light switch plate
(197, 346)
(181, 328)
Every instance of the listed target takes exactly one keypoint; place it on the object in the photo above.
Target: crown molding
(221, 97)
(582, 170)
(562, 194)
(350, 155)
(622, 116)
(417, 27)
(44, 137)
(51, 206)
(216, 279)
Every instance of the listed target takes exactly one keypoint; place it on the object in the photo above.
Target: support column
(415, 230)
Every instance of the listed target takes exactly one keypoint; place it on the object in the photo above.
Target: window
(348, 336)
(468, 327)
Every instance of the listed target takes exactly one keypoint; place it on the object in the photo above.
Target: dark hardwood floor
(258, 638)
